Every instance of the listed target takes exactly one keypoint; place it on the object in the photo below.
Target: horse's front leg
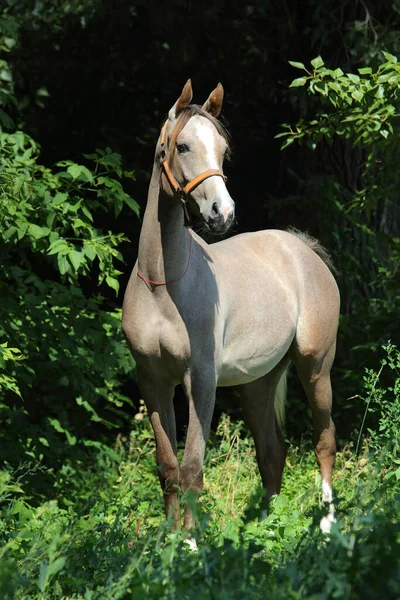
(200, 389)
(158, 397)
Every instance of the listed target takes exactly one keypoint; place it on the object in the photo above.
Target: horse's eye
(182, 148)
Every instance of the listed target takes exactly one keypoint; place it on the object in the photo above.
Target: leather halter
(189, 187)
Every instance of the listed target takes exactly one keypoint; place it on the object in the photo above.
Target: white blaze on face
(207, 134)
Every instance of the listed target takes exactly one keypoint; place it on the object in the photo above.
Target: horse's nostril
(215, 209)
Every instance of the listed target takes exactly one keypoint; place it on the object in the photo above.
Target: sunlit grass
(103, 533)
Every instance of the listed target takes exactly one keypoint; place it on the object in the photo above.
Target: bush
(55, 384)
(104, 535)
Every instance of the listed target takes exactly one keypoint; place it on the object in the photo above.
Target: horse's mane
(186, 114)
(314, 244)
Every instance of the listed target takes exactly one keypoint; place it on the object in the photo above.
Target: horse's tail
(316, 247)
(280, 399)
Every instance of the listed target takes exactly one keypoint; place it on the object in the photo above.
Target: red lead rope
(172, 280)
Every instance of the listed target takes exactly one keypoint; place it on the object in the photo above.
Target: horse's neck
(164, 241)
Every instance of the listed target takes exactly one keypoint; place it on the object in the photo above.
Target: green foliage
(51, 214)
(8, 40)
(53, 251)
(352, 118)
(365, 104)
(362, 109)
(385, 404)
(49, 241)
(80, 505)
(103, 535)
(8, 382)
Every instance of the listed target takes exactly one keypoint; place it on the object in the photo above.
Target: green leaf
(22, 229)
(87, 213)
(133, 205)
(9, 233)
(109, 451)
(56, 565)
(300, 81)
(317, 62)
(74, 171)
(353, 78)
(297, 65)
(76, 259)
(117, 205)
(58, 427)
(5, 75)
(385, 77)
(89, 251)
(42, 581)
(389, 57)
(6, 120)
(365, 71)
(50, 219)
(59, 198)
(112, 160)
(56, 424)
(287, 143)
(337, 73)
(87, 173)
(59, 246)
(38, 232)
(357, 95)
(79, 170)
(112, 283)
(62, 264)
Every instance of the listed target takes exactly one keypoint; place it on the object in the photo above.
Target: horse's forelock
(183, 118)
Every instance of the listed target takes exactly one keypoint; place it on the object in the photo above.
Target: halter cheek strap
(189, 187)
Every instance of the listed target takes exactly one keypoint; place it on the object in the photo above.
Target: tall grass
(101, 534)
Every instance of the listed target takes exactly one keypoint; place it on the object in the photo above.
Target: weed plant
(101, 533)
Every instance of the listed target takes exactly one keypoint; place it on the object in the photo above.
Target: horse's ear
(182, 102)
(213, 104)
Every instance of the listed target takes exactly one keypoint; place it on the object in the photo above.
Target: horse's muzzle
(218, 223)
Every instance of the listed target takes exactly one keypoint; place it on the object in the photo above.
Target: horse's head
(192, 147)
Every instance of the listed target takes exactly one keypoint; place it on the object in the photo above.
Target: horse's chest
(155, 332)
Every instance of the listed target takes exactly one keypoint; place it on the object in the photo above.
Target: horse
(233, 313)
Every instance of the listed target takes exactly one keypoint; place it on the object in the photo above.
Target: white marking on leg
(191, 542)
(326, 492)
(327, 497)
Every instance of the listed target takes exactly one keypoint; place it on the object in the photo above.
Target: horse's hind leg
(314, 371)
(257, 399)
(158, 398)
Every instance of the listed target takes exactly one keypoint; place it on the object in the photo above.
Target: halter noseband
(189, 187)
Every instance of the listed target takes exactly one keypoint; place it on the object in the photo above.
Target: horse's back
(294, 260)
